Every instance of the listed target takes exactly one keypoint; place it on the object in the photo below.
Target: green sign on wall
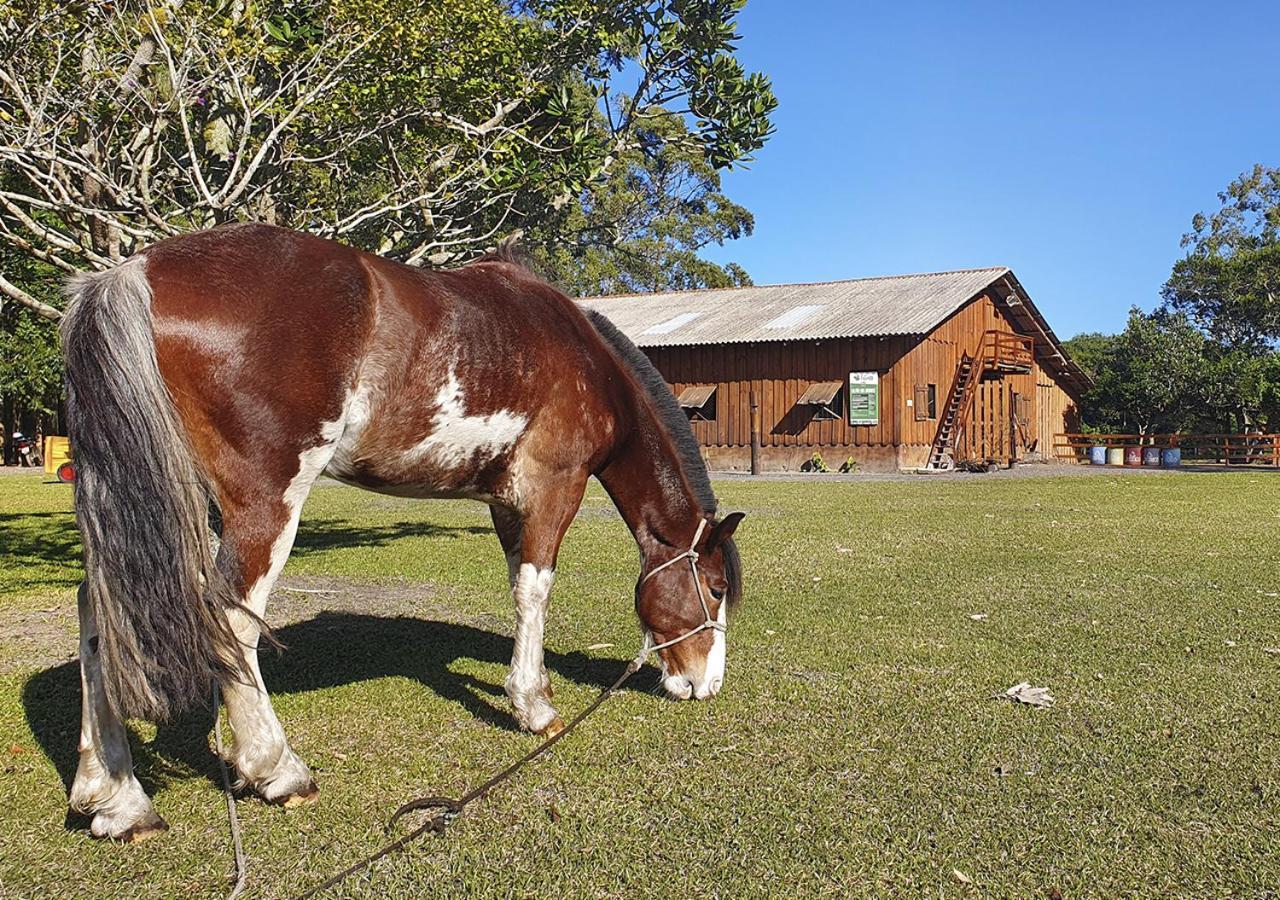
(864, 398)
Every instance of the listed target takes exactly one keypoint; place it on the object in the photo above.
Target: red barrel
(1133, 456)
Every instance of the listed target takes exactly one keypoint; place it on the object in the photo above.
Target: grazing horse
(226, 370)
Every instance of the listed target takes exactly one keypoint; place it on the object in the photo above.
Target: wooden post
(755, 433)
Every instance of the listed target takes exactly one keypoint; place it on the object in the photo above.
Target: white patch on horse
(457, 437)
(693, 684)
(713, 674)
(350, 427)
(526, 682)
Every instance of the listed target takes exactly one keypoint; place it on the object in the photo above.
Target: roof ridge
(784, 284)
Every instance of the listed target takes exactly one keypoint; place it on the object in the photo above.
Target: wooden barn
(901, 372)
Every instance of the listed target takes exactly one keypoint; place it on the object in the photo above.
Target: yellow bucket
(57, 450)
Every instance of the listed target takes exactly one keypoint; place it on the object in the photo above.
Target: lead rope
(450, 808)
(242, 871)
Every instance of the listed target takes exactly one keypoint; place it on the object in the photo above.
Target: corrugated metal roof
(866, 307)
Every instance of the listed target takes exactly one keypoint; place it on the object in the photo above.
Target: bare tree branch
(16, 293)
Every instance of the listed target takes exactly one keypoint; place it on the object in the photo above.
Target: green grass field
(854, 751)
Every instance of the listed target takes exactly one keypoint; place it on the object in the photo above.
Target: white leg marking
(526, 682)
(105, 786)
(457, 438)
(261, 752)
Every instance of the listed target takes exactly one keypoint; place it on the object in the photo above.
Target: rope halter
(708, 624)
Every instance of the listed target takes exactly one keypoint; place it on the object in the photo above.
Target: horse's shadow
(330, 650)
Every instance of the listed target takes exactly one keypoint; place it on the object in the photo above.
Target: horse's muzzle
(682, 687)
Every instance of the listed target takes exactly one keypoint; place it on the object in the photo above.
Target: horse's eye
(717, 593)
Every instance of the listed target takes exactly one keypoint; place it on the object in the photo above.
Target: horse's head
(683, 600)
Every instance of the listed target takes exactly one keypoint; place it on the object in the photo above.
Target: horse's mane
(670, 415)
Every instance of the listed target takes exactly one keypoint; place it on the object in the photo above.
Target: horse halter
(708, 624)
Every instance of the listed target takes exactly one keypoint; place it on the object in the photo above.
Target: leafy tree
(1249, 215)
(1229, 282)
(1149, 378)
(422, 131)
(1234, 298)
(642, 227)
(1240, 389)
(1090, 350)
(30, 363)
(1095, 352)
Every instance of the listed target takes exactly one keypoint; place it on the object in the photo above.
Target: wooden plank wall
(781, 371)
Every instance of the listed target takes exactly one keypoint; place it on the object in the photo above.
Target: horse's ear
(724, 530)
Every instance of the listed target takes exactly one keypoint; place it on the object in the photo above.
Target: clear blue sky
(1071, 142)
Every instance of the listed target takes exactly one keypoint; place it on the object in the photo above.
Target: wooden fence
(1228, 449)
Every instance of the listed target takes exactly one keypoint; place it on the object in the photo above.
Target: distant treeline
(1206, 359)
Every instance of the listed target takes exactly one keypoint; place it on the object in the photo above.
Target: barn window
(926, 402)
(826, 398)
(699, 402)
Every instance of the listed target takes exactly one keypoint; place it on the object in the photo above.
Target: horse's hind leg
(256, 541)
(105, 786)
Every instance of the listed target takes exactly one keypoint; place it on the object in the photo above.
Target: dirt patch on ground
(299, 598)
(37, 638)
(41, 638)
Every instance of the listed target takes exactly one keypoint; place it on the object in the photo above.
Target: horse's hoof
(139, 833)
(305, 797)
(149, 827)
(556, 726)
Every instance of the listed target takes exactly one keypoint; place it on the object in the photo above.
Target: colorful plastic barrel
(1151, 456)
(1133, 456)
(1171, 457)
(1115, 456)
(1098, 455)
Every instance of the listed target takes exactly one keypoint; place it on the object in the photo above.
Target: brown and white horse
(230, 368)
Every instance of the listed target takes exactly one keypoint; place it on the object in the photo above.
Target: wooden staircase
(998, 351)
(960, 401)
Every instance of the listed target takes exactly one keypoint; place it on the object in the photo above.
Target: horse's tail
(142, 504)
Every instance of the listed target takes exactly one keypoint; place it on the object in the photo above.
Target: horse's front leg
(532, 543)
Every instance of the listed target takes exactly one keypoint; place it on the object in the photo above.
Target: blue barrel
(1151, 456)
(1098, 455)
(1171, 457)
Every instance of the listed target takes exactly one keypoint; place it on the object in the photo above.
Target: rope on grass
(233, 821)
(451, 809)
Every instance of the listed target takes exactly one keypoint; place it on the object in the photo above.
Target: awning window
(821, 393)
(696, 397)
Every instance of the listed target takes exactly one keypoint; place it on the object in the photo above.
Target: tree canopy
(1229, 281)
(1146, 379)
(641, 228)
(420, 131)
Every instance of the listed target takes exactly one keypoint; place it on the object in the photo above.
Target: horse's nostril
(716, 684)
